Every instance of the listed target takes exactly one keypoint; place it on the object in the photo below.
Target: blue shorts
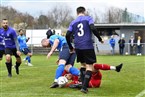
(66, 55)
(25, 51)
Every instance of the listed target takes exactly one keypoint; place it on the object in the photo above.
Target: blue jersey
(2, 47)
(80, 28)
(22, 41)
(112, 42)
(9, 36)
(61, 39)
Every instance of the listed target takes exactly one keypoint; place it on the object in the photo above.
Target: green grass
(35, 81)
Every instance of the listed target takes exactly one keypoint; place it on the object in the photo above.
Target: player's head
(21, 32)
(45, 42)
(5, 23)
(80, 10)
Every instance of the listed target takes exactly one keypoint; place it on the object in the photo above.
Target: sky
(37, 7)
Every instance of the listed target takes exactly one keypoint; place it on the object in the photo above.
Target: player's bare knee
(8, 58)
(30, 54)
(67, 67)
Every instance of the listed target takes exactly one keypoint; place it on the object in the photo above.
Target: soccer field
(35, 81)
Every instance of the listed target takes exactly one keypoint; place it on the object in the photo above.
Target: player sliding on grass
(95, 80)
(59, 42)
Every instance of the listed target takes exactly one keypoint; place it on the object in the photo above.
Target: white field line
(141, 94)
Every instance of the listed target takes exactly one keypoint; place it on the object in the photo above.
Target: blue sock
(74, 71)
(26, 58)
(59, 71)
(29, 59)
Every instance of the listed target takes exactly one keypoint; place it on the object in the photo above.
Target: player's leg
(90, 58)
(8, 62)
(18, 60)
(69, 67)
(1, 54)
(63, 57)
(80, 58)
(27, 52)
(107, 67)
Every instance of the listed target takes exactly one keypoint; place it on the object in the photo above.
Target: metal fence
(105, 49)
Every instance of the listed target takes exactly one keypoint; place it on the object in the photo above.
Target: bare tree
(59, 16)
(113, 15)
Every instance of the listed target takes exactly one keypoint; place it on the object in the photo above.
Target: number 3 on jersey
(81, 31)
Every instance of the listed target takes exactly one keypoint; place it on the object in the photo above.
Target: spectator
(139, 46)
(112, 44)
(121, 43)
(132, 45)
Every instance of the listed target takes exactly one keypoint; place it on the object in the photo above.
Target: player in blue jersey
(59, 43)
(81, 28)
(23, 46)
(11, 47)
(2, 47)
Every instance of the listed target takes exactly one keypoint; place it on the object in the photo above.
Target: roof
(120, 25)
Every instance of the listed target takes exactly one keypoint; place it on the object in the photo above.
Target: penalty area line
(141, 94)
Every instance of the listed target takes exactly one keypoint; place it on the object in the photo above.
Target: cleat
(54, 85)
(118, 68)
(77, 86)
(9, 75)
(29, 64)
(17, 69)
(84, 90)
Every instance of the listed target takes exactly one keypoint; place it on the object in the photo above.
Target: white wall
(37, 35)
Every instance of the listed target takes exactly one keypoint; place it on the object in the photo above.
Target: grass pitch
(35, 81)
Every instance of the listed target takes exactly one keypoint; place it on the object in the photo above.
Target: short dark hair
(4, 19)
(81, 9)
(20, 30)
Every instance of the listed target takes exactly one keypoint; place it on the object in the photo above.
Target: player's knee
(67, 67)
(30, 54)
(19, 60)
(8, 58)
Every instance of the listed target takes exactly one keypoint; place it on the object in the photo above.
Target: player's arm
(95, 32)
(17, 44)
(27, 39)
(54, 46)
(68, 39)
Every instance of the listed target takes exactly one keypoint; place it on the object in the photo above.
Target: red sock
(102, 66)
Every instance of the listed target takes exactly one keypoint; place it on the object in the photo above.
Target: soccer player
(2, 47)
(96, 76)
(59, 43)
(23, 46)
(81, 28)
(11, 47)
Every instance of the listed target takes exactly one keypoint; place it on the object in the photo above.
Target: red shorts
(95, 80)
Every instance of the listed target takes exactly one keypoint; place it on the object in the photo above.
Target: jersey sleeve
(14, 34)
(91, 21)
(70, 28)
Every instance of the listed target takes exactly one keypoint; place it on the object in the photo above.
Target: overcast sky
(34, 7)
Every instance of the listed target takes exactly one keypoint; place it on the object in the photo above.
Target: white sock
(56, 80)
(112, 68)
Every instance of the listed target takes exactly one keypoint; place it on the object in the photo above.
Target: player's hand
(49, 54)
(18, 53)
